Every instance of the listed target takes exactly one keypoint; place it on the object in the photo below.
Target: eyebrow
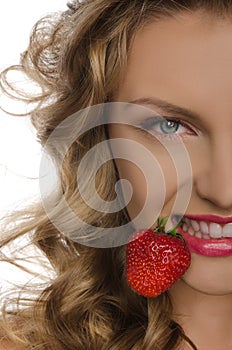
(168, 107)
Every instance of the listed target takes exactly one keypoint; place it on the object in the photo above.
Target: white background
(19, 150)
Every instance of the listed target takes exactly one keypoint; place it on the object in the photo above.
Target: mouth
(206, 237)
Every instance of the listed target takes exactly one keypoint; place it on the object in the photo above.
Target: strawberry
(156, 259)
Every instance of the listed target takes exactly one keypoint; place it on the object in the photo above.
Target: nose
(214, 176)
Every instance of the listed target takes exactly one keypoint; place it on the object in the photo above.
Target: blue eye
(168, 126)
(164, 127)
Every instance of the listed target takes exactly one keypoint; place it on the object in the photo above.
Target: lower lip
(207, 247)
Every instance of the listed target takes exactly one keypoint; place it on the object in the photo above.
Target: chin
(214, 287)
(209, 275)
(208, 279)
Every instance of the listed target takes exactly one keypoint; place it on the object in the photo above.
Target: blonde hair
(79, 57)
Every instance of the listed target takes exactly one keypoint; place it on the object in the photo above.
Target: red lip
(207, 247)
(210, 218)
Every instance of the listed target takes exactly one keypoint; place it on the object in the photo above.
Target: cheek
(153, 192)
(209, 274)
(129, 171)
(151, 172)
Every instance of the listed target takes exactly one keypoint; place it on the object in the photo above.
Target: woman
(173, 57)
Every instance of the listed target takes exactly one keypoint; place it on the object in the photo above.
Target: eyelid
(159, 118)
(182, 122)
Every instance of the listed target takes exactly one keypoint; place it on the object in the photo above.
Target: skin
(187, 61)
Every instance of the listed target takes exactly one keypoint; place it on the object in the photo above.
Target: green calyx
(173, 232)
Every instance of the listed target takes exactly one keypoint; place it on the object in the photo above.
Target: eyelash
(157, 121)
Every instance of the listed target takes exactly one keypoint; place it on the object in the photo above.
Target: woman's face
(187, 62)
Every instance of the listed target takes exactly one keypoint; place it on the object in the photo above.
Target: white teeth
(215, 230)
(204, 227)
(187, 221)
(198, 234)
(191, 231)
(206, 230)
(195, 225)
(227, 230)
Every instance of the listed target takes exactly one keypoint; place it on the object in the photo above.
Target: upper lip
(210, 218)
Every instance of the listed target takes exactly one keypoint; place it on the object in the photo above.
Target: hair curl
(78, 58)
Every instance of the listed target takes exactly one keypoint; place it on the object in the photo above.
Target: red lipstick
(208, 247)
(210, 218)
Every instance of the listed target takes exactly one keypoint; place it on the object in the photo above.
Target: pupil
(170, 125)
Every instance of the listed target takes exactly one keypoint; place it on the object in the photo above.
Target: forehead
(189, 55)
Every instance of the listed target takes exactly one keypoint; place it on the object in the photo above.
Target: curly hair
(78, 58)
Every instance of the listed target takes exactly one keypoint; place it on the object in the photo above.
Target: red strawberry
(155, 259)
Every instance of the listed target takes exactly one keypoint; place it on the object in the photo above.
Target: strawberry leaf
(173, 232)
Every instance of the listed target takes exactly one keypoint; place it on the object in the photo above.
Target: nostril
(217, 194)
